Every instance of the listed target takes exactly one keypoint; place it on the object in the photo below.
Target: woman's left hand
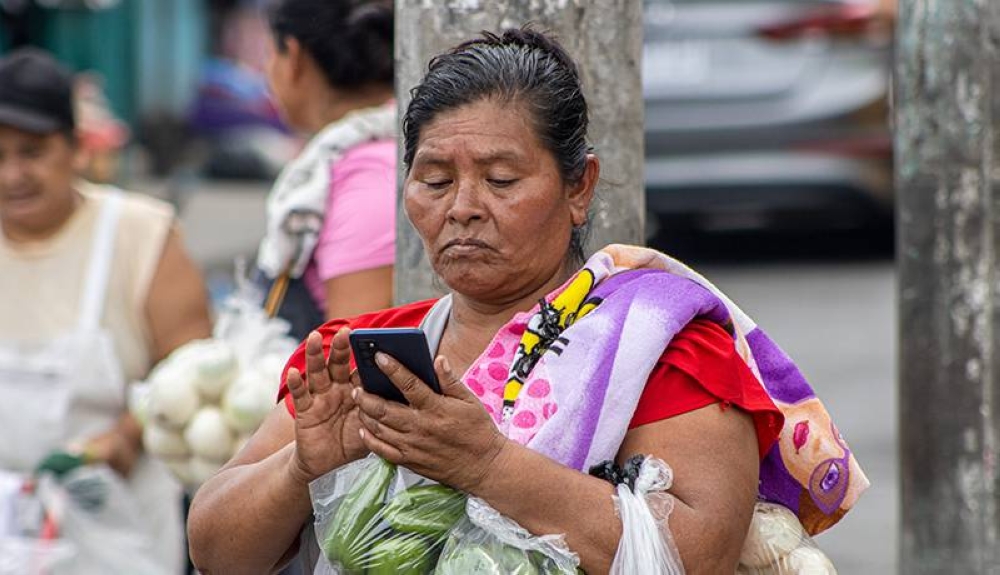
(449, 438)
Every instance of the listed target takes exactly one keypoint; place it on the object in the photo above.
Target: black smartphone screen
(407, 345)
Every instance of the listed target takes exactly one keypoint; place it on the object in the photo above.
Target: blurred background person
(331, 212)
(97, 288)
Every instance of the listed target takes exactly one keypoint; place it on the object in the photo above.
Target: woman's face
(280, 72)
(488, 199)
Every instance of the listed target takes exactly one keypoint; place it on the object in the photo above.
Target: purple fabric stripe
(782, 379)
(596, 392)
(776, 483)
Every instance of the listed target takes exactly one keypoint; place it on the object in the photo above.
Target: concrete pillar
(605, 38)
(948, 182)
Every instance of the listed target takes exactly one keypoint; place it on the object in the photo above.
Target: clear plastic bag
(777, 544)
(373, 518)
(98, 518)
(644, 506)
(32, 556)
(487, 543)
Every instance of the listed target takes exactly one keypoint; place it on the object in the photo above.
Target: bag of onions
(201, 403)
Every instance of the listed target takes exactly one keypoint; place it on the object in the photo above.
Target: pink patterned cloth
(359, 230)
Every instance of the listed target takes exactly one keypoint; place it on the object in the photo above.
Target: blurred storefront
(182, 79)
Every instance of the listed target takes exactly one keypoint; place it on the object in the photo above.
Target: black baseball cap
(36, 92)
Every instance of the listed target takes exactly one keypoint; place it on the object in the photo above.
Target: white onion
(216, 367)
(173, 398)
(806, 561)
(208, 436)
(163, 442)
(774, 533)
(270, 366)
(248, 401)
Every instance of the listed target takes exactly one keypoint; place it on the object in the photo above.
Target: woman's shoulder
(375, 154)
(407, 315)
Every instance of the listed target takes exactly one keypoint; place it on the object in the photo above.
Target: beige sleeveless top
(41, 282)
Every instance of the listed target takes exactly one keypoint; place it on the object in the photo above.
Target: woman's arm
(451, 438)
(247, 518)
(713, 453)
(177, 304)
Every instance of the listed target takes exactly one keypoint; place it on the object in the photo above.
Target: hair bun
(530, 38)
(374, 16)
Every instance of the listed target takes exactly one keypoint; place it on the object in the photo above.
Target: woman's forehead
(485, 130)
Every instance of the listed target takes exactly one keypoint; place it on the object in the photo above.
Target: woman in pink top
(331, 213)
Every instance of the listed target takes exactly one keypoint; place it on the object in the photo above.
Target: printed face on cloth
(807, 442)
(490, 203)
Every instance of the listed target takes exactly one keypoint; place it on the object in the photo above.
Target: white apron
(72, 387)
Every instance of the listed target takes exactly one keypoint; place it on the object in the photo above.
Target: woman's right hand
(327, 427)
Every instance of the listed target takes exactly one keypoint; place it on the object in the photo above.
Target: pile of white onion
(200, 405)
(777, 545)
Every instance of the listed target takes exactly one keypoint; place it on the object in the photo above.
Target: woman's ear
(296, 57)
(581, 192)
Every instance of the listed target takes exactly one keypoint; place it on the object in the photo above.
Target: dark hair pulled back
(350, 40)
(517, 65)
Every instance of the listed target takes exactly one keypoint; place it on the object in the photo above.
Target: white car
(767, 114)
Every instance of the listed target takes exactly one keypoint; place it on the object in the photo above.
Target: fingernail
(354, 394)
(381, 359)
(361, 432)
(445, 364)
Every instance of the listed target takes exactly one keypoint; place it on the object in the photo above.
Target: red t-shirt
(700, 367)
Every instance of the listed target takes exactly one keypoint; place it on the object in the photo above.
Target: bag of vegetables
(487, 543)
(373, 518)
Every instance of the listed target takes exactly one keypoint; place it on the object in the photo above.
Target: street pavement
(835, 318)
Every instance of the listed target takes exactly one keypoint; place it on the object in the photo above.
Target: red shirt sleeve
(409, 315)
(701, 367)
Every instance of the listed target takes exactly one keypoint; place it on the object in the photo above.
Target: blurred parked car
(767, 114)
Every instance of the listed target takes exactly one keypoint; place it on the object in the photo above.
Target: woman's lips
(465, 246)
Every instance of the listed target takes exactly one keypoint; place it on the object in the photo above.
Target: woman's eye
(437, 184)
(501, 182)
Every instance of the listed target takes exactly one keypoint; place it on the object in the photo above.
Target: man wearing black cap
(96, 288)
(36, 126)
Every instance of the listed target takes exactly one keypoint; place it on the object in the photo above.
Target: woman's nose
(466, 205)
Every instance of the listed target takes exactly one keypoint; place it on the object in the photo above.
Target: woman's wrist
(501, 464)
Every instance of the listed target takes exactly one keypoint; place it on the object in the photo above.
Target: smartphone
(407, 345)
